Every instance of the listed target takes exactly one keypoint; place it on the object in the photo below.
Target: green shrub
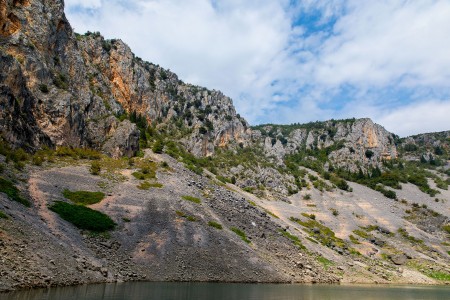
(83, 217)
(158, 146)
(215, 225)
(84, 197)
(37, 160)
(223, 179)
(340, 183)
(43, 88)
(446, 228)
(241, 234)
(12, 192)
(369, 153)
(389, 194)
(3, 215)
(61, 81)
(95, 168)
(307, 197)
(192, 199)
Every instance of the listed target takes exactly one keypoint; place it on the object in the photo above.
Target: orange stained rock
(9, 22)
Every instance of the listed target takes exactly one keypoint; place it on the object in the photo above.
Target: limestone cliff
(350, 144)
(60, 88)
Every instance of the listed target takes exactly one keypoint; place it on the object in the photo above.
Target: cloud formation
(285, 61)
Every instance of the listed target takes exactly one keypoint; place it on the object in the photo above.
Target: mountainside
(58, 88)
(113, 169)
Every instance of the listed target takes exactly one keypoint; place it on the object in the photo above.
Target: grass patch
(12, 192)
(326, 263)
(83, 217)
(147, 170)
(438, 275)
(241, 234)
(215, 225)
(147, 185)
(295, 240)
(408, 237)
(84, 197)
(435, 274)
(361, 233)
(271, 213)
(192, 199)
(353, 239)
(3, 215)
(446, 228)
(321, 233)
(187, 217)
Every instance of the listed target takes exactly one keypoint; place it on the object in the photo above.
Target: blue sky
(296, 61)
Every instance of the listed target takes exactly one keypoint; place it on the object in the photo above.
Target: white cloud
(429, 116)
(354, 58)
(84, 3)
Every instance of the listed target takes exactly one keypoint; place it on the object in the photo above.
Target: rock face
(351, 143)
(59, 88)
(125, 81)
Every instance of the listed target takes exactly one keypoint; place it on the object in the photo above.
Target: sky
(287, 61)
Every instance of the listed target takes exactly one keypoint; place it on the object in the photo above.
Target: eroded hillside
(113, 169)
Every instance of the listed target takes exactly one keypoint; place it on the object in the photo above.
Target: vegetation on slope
(83, 217)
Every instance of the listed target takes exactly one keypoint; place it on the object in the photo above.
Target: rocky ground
(161, 236)
(151, 241)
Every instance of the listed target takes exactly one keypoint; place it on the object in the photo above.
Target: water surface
(227, 291)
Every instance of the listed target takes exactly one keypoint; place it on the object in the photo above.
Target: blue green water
(227, 291)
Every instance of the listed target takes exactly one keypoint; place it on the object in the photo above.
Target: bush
(3, 215)
(369, 153)
(389, 194)
(95, 168)
(61, 81)
(83, 217)
(410, 147)
(37, 160)
(215, 225)
(158, 146)
(12, 192)
(84, 197)
(43, 88)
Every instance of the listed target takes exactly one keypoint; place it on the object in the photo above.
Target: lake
(228, 291)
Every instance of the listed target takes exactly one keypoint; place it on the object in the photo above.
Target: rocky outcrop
(351, 143)
(44, 92)
(123, 80)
